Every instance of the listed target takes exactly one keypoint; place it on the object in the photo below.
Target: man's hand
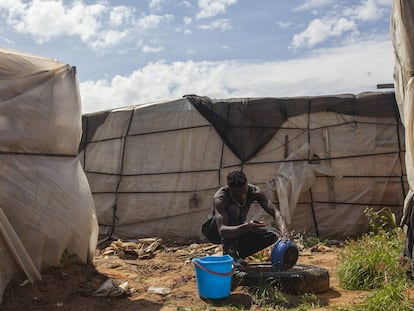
(257, 226)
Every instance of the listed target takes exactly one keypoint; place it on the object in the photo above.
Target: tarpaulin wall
(46, 206)
(402, 33)
(153, 169)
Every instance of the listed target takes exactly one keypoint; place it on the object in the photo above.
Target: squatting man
(231, 205)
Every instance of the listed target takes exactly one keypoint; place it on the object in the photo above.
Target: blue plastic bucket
(213, 276)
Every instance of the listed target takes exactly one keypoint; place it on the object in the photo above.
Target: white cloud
(320, 30)
(149, 49)
(338, 20)
(222, 24)
(109, 38)
(47, 19)
(186, 4)
(155, 4)
(121, 15)
(98, 25)
(312, 4)
(284, 24)
(370, 10)
(152, 21)
(325, 72)
(211, 8)
(187, 20)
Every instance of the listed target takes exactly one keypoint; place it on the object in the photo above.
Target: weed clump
(270, 299)
(371, 263)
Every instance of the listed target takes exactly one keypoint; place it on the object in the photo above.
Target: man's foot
(239, 262)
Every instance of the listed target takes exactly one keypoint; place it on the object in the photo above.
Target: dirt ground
(158, 277)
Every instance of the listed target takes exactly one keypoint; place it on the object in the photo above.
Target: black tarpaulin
(246, 125)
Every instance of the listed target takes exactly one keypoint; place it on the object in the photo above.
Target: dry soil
(160, 279)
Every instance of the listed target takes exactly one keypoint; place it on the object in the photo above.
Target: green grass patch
(269, 298)
(310, 239)
(372, 263)
(389, 297)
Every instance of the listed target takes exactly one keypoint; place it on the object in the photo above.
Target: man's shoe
(240, 262)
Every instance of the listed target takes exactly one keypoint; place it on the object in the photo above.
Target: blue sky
(132, 52)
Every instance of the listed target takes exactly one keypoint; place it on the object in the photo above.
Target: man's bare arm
(272, 210)
(280, 221)
(227, 231)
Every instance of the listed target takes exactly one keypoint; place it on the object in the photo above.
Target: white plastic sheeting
(46, 205)
(295, 178)
(153, 169)
(402, 31)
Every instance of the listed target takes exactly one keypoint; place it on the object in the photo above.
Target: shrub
(371, 263)
(268, 298)
(389, 297)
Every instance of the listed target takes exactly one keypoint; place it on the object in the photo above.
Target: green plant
(390, 297)
(384, 219)
(309, 239)
(204, 308)
(269, 298)
(371, 263)
(67, 258)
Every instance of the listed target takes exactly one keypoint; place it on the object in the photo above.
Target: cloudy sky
(132, 52)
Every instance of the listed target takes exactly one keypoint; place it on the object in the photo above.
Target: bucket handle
(214, 272)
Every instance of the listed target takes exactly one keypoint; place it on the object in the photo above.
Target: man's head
(237, 183)
(236, 179)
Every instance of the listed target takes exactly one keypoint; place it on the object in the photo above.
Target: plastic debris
(109, 288)
(159, 290)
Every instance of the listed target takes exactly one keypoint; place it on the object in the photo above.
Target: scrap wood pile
(140, 249)
(146, 248)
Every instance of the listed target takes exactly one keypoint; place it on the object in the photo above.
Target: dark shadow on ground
(236, 300)
(324, 298)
